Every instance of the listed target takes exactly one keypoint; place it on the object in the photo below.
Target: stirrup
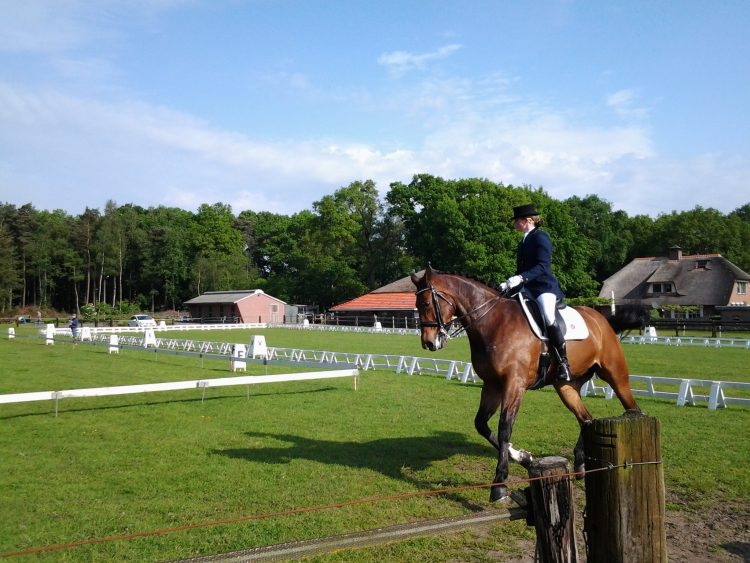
(563, 372)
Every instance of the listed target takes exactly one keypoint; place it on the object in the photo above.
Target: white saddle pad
(575, 326)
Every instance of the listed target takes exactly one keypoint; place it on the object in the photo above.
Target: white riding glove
(503, 287)
(514, 281)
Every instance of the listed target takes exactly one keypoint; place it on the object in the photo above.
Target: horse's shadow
(395, 458)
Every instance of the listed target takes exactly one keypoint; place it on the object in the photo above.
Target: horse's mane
(489, 285)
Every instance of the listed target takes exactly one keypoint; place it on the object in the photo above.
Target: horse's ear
(415, 279)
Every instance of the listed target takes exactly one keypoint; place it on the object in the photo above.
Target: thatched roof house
(705, 281)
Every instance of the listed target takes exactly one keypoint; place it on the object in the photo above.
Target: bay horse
(505, 355)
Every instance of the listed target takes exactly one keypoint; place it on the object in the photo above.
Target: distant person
(74, 324)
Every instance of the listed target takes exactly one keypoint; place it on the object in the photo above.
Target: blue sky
(271, 104)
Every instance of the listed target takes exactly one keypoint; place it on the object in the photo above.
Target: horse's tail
(629, 317)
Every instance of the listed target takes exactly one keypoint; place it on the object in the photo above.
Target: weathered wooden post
(625, 511)
(552, 510)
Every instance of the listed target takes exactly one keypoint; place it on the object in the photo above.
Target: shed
(393, 303)
(243, 306)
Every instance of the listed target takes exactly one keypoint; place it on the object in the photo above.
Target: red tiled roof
(380, 302)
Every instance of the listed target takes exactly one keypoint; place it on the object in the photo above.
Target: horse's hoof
(499, 494)
(527, 460)
(580, 471)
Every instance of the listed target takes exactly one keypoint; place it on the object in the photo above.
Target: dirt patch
(719, 533)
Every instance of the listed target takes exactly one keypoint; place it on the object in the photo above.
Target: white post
(86, 333)
(11, 333)
(149, 338)
(114, 344)
(612, 303)
(239, 353)
(50, 340)
(258, 348)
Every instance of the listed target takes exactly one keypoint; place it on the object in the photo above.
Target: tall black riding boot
(557, 342)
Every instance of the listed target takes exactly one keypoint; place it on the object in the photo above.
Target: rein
(441, 325)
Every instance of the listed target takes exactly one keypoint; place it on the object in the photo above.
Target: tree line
(128, 258)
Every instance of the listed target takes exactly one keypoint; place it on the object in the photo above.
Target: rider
(534, 272)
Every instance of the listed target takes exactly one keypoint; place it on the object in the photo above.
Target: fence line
(201, 384)
(688, 392)
(158, 328)
(701, 341)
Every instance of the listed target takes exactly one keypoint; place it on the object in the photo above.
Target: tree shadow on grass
(388, 456)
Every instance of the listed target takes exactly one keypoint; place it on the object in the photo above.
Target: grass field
(115, 466)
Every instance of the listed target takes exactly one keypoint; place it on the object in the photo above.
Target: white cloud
(62, 151)
(403, 61)
(624, 104)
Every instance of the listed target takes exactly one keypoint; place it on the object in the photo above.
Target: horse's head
(436, 310)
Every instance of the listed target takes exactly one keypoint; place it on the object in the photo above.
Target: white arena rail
(687, 391)
(202, 384)
(701, 341)
(463, 371)
(159, 328)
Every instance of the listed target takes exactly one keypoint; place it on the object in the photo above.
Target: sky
(269, 105)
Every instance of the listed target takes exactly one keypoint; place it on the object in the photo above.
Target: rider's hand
(502, 288)
(514, 281)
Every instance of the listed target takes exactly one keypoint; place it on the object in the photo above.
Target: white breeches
(547, 303)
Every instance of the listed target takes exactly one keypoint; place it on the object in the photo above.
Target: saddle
(569, 320)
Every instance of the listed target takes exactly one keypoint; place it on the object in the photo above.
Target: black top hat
(522, 211)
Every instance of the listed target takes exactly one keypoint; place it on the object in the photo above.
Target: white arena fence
(201, 384)
(700, 341)
(686, 391)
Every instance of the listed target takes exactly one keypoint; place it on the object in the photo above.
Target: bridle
(443, 328)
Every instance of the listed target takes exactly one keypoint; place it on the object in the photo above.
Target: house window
(661, 287)
(742, 288)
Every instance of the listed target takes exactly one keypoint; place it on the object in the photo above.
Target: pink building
(249, 306)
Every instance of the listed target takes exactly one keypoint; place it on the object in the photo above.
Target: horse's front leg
(488, 406)
(505, 429)
(489, 402)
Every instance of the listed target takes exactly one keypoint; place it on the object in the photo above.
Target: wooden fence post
(552, 510)
(625, 510)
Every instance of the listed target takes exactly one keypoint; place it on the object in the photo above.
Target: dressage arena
(223, 469)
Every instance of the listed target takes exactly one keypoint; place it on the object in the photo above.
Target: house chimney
(675, 253)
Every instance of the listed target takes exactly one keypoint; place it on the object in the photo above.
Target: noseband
(439, 324)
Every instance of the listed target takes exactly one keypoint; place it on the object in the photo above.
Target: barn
(248, 306)
(394, 305)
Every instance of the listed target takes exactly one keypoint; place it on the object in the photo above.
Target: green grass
(120, 465)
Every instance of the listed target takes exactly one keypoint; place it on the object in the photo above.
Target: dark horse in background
(505, 354)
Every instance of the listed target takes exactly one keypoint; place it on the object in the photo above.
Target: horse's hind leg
(614, 371)
(570, 393)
